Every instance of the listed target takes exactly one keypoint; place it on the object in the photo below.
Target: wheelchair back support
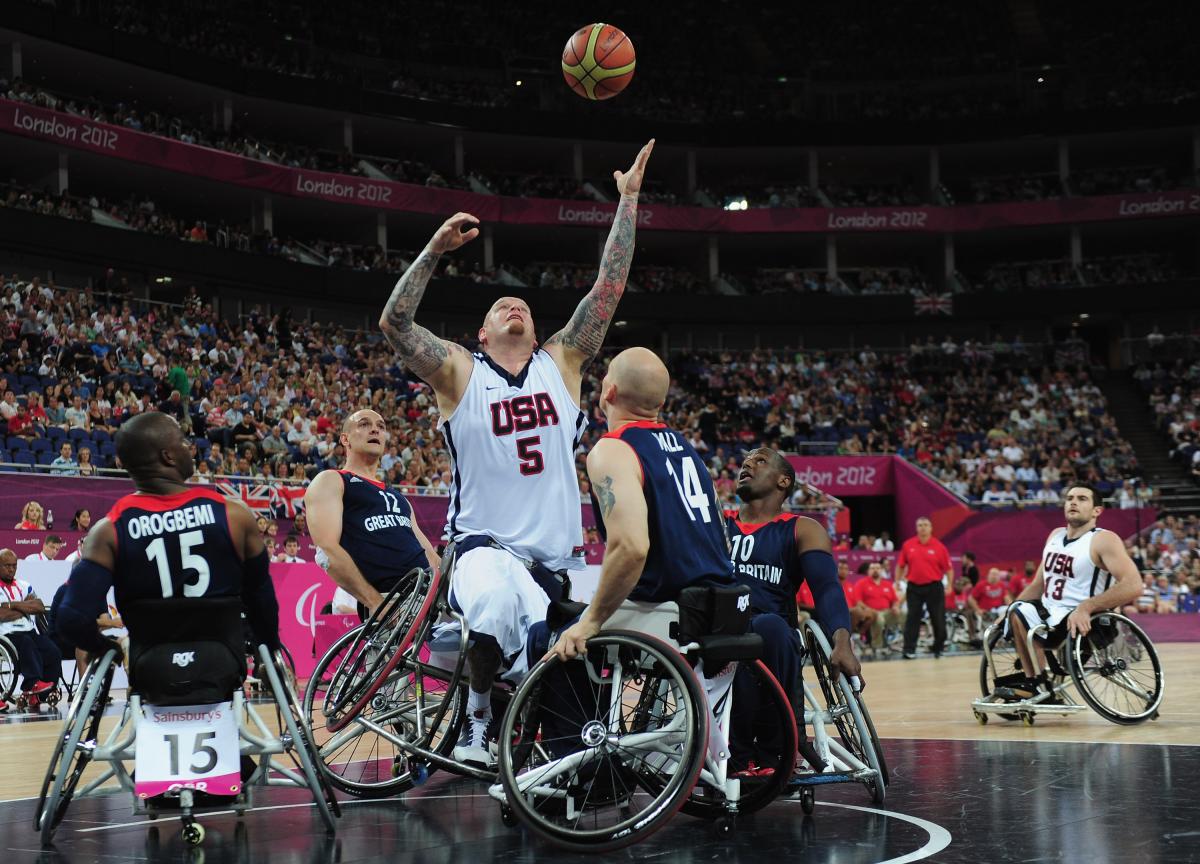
(185, 650)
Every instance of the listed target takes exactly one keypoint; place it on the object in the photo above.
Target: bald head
(640, 381)
(152, 444)
(359, 415)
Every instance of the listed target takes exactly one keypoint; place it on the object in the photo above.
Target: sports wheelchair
(186, 672)
(651, 729)
(1114, 668)
(10, 672)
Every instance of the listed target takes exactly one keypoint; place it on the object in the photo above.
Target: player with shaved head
(512, 420)
(364, 530)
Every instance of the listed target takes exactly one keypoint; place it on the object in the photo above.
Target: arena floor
(1067, 789)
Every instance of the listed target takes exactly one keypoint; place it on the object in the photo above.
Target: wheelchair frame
(80, 744)
(1066, 675)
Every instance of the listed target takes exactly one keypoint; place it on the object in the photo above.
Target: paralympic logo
(309, 620)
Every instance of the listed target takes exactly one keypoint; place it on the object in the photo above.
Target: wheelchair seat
(185, 650)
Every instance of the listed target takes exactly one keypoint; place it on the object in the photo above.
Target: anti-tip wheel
(981, 717)
(1027, 718)
(508, 817)
(808, 799)
(193, 834)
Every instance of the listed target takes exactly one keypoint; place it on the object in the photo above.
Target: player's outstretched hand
(573, 642)
(630, 182)
(451, 235)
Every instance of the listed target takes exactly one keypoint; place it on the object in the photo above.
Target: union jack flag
(933, 304)
(256, 497)
(287, 501)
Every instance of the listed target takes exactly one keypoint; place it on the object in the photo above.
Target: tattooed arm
(446, 366)
(616, 477)
(574, 347)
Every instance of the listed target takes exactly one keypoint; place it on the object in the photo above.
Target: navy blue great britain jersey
(764, 557)
(687, 540)
(174, 546)
(377, 530)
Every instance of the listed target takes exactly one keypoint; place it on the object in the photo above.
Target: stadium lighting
(1041, 80)
(737, 204)
(519, 82)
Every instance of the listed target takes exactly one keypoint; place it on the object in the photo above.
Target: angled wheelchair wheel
(850, 715)
(598, 753)
(1006, 660)
(8, 669)
(1116, 669)
(776, 736)
(418, 703)
(380, 642)
(73, 749)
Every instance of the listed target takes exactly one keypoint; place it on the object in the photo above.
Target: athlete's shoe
(40, 687)
(472, 747)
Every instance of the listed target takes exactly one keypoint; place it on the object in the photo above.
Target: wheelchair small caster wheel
(725, 825)
(193, 834)
(152, 816)
(508, 817)
(420, 773)
(1027, 718)
(1154, 716)
(981, 717)
(808, 799)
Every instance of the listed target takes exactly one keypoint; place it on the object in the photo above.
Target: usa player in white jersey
(511, 418)
(1084, 569)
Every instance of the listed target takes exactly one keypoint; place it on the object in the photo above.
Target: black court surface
(950, 801)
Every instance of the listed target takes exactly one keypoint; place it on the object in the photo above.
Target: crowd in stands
(1168, 555)
(1146, 268)
(1173, 391)
(873, 195)
(263, 398)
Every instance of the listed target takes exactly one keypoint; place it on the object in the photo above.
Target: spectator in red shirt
(986, 597)
(1017, 582)
(879, 595)
(956, 600)
(806, 606)
(925, 563)
(860, 616)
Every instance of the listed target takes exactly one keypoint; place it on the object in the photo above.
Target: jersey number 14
(694, 498)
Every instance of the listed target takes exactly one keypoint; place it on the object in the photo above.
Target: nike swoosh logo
(491, 388)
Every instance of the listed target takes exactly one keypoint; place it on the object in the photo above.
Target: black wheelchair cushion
(561, 612)
(185, 650)
(712, 610)
(716, 651)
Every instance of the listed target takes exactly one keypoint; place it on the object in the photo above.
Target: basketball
(598, 61)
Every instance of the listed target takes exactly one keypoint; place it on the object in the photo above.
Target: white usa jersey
(512, 442)
(1068, 571)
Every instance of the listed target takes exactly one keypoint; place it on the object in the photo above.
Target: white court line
(939, 837)
(205, 815)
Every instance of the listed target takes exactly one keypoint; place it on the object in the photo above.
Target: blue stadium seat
(100, 436)
(46, 458)
(4, 456)
(40, 445)
(54, 433)
(24, 457)
(78, 435)
(14, 443)
(1189, 602)
(108, 450)
(31, 383)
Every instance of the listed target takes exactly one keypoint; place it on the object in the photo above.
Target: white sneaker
(472, 747)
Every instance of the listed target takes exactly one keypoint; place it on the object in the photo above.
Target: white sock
(479, 704)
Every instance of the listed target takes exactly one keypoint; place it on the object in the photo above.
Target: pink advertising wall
(122, 143)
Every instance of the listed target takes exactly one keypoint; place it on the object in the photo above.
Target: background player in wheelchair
(1084, 569)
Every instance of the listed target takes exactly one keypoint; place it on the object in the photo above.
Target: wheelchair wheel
(1116, 669)
(850, 714)
(1006, 660)
(776, 724)
(598, 753)
(8, 669)
(379, 644)
(73, 750)
(359, 760)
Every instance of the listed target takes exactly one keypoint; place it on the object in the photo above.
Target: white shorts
(499, 598)
(1039, 614)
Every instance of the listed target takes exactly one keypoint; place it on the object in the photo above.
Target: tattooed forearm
(421, 351)
(604, 494)
(586, 330)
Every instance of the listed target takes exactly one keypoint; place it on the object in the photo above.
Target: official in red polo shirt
(925, 563)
